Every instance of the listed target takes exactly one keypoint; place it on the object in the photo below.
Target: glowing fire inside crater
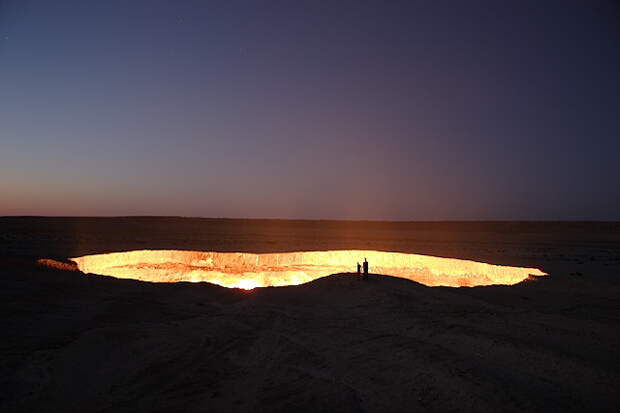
(245, 270)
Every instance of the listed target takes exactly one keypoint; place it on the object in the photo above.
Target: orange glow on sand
(248, 271)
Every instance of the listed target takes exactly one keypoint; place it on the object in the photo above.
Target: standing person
(359, 270)
(365, 269)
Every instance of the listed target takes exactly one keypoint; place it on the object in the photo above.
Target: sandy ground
(72, 342)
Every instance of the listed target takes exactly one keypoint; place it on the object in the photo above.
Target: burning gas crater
(245, 270)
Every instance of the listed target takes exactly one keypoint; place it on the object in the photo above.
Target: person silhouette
(359, 270)
(365, 269)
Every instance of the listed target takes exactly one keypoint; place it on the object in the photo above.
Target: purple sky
(427, 110)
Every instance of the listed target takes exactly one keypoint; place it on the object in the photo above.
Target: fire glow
(248, 271)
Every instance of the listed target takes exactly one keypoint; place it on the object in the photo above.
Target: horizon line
(316, 219)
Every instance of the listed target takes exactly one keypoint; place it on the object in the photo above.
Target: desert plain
(75, 342)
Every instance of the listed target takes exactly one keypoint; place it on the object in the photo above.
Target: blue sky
(409, 110)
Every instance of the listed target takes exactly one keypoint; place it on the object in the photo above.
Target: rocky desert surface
(80, 342)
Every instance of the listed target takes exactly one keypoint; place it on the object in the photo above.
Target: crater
(248, 271)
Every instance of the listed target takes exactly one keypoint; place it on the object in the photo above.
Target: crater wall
(246, 270)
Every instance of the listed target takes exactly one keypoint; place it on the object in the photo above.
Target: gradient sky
(412, 110)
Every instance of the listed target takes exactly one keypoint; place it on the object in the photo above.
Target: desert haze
(82, 342)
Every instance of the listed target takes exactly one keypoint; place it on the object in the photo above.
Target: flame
(248, 271)
(246, 284)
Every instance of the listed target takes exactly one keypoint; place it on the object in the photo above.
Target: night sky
(413, 110)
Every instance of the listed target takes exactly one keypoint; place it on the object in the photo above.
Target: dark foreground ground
(71, 342)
